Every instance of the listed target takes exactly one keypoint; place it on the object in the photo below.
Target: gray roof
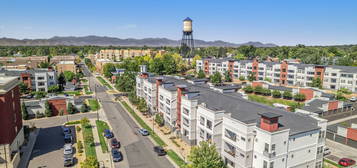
(244, 110)
(312, 109)
(281, 88)
(347, 69)
(317, 102)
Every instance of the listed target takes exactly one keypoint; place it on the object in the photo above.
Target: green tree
(68, 75)
(216, 78)
(108, 69)
(48, 110)
(316, 82)
(159, 120)
(241, 78)
(287, 95)
(227, 76)
(61, 81)
(90, 162)
(23, 88)
(251, 76)
(53, 89)
(70, 108)
(201, 74)
(344, 91)
(142, 106)
(194, 60)
(276, 94)
(84, 108)
(44, 65)
(24, 111)
(267, 79)
(126, 82)
(40, 94)
(205, 155)
(299, 97)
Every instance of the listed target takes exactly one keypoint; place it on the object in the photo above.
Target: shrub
(248, 89)
(299, 97)
(80, 146)
(241, 78)
(159, 120)
(258, 90)
(287, 95)
(276, 94)
(266, 92)
(78, 128)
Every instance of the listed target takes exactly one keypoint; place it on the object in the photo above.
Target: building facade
(66, 66)
(11, 134)
(35, 79)
(284, 73)
(246, 134)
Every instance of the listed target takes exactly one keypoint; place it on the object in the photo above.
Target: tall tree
(227, 76)
(48, 110)
(205, 155)
(201, 74)
(61, 81)
(24, 111)
(216, 78)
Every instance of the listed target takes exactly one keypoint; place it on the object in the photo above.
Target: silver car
(67, 149)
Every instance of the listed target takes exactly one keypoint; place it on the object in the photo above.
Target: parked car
(68, 139)
(117, 156)
(143, 131)
(108, 134)
(68, 160)
(353, 99)
(66, 130)
(67, 149)
(346, 162)
(114, 143)
(327, 151)
(159, 150)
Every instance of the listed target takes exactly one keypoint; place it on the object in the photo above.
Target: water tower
(187, 45)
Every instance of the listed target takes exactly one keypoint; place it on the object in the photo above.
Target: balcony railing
(269, 154)
(233, 138)
(232, 153)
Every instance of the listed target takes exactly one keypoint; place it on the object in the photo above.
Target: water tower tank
(187, 25)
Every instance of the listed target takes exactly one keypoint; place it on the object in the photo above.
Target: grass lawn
(103, 82)
(93, 104)
(86, 89)
(177, 159)
(89, 146)
(72, 122)
(72, 93)
(101, 126)
(270, 101)
(326, 161)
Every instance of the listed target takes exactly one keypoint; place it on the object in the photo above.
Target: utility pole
(96, 98)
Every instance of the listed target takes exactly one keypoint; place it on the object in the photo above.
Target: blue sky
(283, 22)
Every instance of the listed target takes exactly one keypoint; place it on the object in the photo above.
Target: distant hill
(112, 41)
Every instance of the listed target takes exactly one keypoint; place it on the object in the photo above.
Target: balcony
(269, 154)
(230, 152)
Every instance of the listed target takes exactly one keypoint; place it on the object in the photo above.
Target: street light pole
(96, 98)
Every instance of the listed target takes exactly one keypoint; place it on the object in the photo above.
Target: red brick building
(11, 131)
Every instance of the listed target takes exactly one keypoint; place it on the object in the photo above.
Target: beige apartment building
(66, 66)
(58, 59)
(22, 62)
(117, 55)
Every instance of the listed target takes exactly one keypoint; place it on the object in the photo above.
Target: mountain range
(113, 41)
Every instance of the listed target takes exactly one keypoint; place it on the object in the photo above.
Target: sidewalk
(27, 150)
(342, 120)
(101, 157)
(183, 150)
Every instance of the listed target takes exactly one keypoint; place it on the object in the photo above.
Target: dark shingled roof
(244, 110)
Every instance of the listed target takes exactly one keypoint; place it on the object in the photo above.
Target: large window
(209, 124)
(186, 122)
(186, 111)
(231, 135)
(265, 164)
(202, 121)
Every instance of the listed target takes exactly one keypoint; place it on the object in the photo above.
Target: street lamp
(96, 98)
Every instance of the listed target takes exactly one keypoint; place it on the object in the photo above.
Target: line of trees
(275, 93)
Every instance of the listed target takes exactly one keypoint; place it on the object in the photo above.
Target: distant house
(324, 107)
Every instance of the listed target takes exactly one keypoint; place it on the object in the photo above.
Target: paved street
(138, 150)
(340, 151)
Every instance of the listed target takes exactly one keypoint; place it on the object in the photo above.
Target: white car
(327, 151)
(67, 149)
(353, 99)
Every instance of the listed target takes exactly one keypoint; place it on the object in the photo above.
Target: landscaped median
(89, 146)
(101, 126)
(178, 160)
(103, 82)
(93, 104)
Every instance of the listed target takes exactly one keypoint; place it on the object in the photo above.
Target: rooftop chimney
(269, 121)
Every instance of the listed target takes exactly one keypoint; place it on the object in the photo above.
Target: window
(229, 162)
(40, 78)
(265, 164)
(161, 97)
(242, 138)
(186, 122)
(186, 111)
(209, 124)
(202, 133)
(273, 147)
(202, 121)
(266, 147)
(208, 136)
(242, 155)
(231, 135)
(271, 165)
(167, 101)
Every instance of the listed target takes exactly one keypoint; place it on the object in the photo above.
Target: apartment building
(284, 73)
(117, 55)
(22, 62)
(11, 134)
(66, 66)
(246, 134)
(35, 79)
(59, 58)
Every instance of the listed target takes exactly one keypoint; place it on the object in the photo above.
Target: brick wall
(57, 105)
(309, 93)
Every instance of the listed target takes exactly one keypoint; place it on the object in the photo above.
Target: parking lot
(48, 150)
